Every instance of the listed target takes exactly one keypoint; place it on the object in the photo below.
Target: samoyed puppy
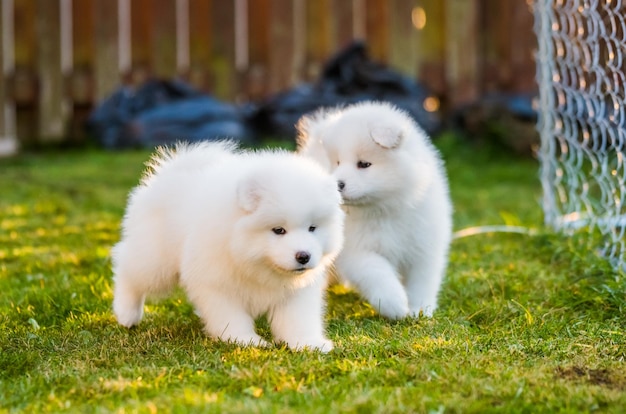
(395, 192)
(244, 233)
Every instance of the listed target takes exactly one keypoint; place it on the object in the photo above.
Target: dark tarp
(349, 77)
(163, 112)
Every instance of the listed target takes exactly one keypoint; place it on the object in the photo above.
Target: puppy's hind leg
(127, 302)
(423, 285)
(376, 279)
(134, 277)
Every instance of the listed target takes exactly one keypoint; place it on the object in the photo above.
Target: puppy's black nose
(303, 257)
(341, 185)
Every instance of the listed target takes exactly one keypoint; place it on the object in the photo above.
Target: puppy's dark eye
(279, 230)
(363, 164)
(312, 229)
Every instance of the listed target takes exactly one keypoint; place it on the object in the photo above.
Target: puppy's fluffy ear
(386, 136)
(249, 194)
(303, 126)
(311, 130)
(311, 127)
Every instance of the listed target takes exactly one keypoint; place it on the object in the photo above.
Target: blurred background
(76, 72)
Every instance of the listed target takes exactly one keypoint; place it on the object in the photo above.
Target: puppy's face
(293, 222)
(366, 172)
(363, 156)
(294, 245)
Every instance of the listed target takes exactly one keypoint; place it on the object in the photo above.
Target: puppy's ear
(311, 127)
(303, 126)
(311, 132)
(386, 136)
(249, 194)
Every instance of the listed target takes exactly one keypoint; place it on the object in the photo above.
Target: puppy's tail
(185, 158)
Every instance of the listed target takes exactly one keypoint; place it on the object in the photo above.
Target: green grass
(526, 323)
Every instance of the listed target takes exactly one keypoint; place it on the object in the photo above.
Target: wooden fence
(60, 57)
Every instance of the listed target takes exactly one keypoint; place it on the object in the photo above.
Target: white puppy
(395, 192)
(245, 233)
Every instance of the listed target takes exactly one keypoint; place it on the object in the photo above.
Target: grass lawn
(526, 323)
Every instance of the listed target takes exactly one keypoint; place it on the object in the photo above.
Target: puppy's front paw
(388, 297)
(127, 315)
(423, 305)
(392, 305)
(393, 309)
(425, 312)
(246, 340)
(320, 344)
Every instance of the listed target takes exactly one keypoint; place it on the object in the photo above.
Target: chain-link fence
(582, 118)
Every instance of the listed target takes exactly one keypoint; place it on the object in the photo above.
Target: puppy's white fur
(395, 191)
(207, 216)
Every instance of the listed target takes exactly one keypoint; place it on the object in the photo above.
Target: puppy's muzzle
(303, 257)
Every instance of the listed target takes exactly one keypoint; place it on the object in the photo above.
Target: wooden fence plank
(23, 82)
(319, 42)
(256, 79)
(429, 19)
(341, 13)
(496, 54)
(81, 82)
(299, 56)
(83, 23)
(4, 101)
(523, 47)
(25, 33)
(8, 138)
(377, 29)
(258, 30)
(402, 37)
(52, 102)
(223, 59)
(80, 86)
(200, 43)
(182, 49)
(106, 64)
(141, 43)
(163, 38)
(462, 50)
(283, 70)
(508, 63)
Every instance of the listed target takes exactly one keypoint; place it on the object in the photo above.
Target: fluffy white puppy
(395, 193)
(245, 234)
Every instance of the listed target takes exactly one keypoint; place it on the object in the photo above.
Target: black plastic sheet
(349, 77)
(163, 112)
